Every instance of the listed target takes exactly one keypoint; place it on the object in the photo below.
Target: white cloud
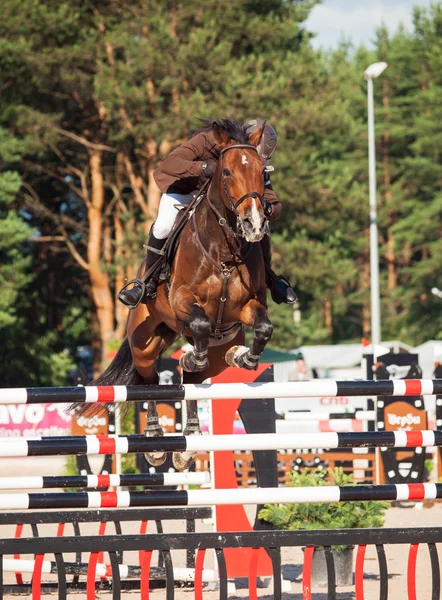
(358, 21)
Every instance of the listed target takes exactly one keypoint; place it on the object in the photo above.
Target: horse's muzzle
(254, 230)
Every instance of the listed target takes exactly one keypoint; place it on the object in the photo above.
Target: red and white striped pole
(109, 444)
(221, 391)
(151, 498)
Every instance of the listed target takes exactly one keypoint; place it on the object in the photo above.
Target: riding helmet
(267, 145)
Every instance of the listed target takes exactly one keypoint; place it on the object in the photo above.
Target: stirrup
(138, 281)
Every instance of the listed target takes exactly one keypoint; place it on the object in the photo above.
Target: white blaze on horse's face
(253, 223)
(244, 160)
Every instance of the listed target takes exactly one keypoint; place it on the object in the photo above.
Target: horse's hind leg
(216, 354)
(183, 460)
(144, 352)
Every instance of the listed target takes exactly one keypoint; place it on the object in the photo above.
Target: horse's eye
(227, 172)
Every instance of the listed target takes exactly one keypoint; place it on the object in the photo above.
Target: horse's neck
(212, 232)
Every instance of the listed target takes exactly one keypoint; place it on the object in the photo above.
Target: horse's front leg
(255, 315)
(200, 328)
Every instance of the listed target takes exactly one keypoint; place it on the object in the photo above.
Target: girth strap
(222, 301)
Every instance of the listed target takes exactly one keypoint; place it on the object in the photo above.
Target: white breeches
(167, 212)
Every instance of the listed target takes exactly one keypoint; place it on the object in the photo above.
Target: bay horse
(217, 286)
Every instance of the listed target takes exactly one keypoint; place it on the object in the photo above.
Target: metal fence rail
(271, 541)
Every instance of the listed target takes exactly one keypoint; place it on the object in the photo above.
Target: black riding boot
(279, 286)
(134, 296)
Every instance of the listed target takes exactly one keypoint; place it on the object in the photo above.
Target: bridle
(233, 204)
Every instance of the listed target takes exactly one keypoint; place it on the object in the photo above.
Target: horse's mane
(234, 129)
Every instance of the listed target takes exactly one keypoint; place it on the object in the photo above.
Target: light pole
(373, 71)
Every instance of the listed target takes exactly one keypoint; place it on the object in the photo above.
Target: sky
(357, 19)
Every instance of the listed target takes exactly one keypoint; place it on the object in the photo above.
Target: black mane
(234, 129)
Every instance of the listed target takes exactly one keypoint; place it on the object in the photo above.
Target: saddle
(165, 260)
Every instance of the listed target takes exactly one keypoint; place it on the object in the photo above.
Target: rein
(237, 257)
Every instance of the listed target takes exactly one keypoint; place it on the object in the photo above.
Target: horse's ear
(221, 136)
(255, 137)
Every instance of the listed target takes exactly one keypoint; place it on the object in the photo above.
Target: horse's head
(241, 173)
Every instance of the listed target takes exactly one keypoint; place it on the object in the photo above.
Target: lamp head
(374, 70)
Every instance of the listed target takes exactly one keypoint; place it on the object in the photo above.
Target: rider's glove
(273, 210)
(268, 210)
(208, 169)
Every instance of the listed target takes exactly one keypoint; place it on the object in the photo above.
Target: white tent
(343, 361)
(429, 353)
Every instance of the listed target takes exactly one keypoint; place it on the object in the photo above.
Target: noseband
(233, 204)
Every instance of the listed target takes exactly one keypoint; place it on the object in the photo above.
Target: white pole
(118, 432)
(374, 236)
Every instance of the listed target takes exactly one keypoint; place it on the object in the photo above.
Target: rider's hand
(208, 169)
(273, 210)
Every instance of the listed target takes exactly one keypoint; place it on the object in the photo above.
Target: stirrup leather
(161, 252)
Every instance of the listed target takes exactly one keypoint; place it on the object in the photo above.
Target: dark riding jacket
(181, 172)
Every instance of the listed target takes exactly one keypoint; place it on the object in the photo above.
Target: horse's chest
(234, 292)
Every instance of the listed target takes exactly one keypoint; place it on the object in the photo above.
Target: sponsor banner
(400, 416)
(322, 403)
(29, 420)
(91, 423)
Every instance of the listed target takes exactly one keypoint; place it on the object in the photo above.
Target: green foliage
(429, 466)
(14, 231)
(71, 468)
(33, 361)
(324, 515)
(128, 461)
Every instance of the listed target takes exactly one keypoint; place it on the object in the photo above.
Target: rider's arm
(272, 199)
(185, 161)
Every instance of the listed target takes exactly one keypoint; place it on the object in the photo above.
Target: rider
(179, 176)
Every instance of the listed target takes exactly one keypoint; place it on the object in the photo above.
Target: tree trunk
(329, 319)
(153, 192)
(120, 309)
(100, 287)
(95, 343)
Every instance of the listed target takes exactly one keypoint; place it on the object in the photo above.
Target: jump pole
(108, 444)
(103, 481)
(221, 497)
(221, 391)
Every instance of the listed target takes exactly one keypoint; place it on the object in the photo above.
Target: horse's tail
(121, 371)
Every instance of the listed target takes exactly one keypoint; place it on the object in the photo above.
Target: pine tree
(14, 263)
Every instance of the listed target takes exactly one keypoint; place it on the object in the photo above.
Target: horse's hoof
(156, 459)
(183, 460)
(240, 357)
(190, 363)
